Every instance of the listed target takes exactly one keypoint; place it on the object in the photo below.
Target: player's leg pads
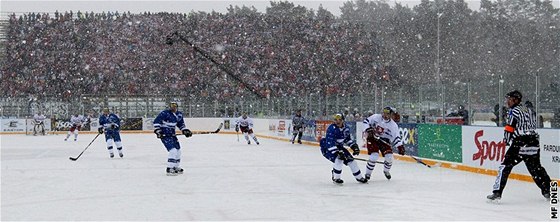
(171, 158)
(388, 162)
(119, 147)
(337, 168)
(370, 165)
(355, 170)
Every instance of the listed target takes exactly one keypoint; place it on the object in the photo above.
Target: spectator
(462, 112)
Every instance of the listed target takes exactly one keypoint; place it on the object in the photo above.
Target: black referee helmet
(515, 94)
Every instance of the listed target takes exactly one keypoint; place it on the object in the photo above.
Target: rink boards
(477, 149)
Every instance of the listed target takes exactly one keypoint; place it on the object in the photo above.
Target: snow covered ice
(229, 180)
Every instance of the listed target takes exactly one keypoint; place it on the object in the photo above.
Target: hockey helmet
(338, 116)
(514, 94)
(389, 110)
(173, 105)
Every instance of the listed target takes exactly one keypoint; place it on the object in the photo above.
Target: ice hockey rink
(229, 180)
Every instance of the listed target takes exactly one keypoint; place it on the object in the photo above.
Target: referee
(522, 144)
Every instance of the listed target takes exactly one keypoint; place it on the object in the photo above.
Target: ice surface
(229, 180)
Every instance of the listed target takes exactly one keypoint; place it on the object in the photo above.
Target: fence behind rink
(425, 103)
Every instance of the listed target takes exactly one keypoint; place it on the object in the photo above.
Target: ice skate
(111, 155)
(546, 196)
(178, 170)
(494, 197)
(362, 180)
(171, 172)
(387, 174)
(337, 181)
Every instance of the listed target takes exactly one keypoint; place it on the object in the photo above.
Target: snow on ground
(229, 180)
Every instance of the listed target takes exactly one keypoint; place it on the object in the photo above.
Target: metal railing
(425, 103)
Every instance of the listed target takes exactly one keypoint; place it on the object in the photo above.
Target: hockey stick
(76, 158)
(211, 132)
(366, 160)
(204, 132)
(237, 133)
(418, 160)
(422, 162)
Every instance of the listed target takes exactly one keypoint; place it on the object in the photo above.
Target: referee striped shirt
(521, 121)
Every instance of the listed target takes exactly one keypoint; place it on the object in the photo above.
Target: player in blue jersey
(110, 124)
(332, 147)
(164, 125)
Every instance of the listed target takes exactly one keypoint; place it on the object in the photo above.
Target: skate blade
(172, 174)
(495, 201)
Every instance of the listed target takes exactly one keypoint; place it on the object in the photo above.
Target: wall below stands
(477, 149)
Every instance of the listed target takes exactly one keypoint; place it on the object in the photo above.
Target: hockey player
(298, 123)
(332, 148)
(77, 122)
(382, 134)
(109, 123)
(39, 123)
(246, 125)
(164, 125)
(522, 144)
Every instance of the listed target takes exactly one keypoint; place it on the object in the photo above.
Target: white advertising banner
(483, 147)
(12, 125)
(280, 128)
(550, 151)
(148, 124)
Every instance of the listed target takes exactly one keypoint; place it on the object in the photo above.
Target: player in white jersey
(39, 123)
(77, 122)
(382, 134)
(246, 125)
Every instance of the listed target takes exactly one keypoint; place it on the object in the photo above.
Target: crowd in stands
(71, 54)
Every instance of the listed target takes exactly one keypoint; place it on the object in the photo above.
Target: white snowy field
(229, 180)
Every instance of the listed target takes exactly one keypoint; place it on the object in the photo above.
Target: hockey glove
(341, 155)
(158, 133)
(187, 132)
(355, 149)
(100, 130)
(401, 149)
(113, 126)
(236, 128)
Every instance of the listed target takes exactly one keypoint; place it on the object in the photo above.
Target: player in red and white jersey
(246, 125)
(77, 121)
(382, 134)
